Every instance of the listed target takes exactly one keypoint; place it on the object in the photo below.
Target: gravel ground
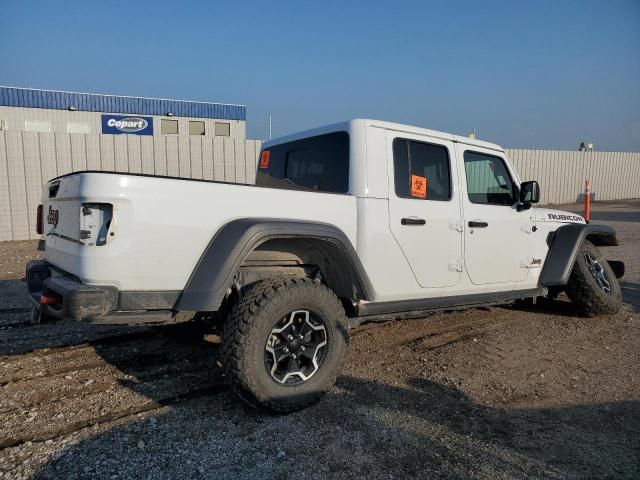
(518, 392)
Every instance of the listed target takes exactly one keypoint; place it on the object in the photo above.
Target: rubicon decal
(565, 218)
(116, 124)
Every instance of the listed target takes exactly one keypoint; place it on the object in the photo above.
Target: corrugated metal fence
(561, 174)
(29, 159)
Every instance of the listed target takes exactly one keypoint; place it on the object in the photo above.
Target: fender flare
(564, 247)
(214, 273)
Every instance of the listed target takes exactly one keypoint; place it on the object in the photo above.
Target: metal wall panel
(6, 217)
(146, 146)
(17, 184)
(229, 159)
(134, 153)
(207, 159)
(562, 174)
(160, 156)
(195, 156)
(218, 160)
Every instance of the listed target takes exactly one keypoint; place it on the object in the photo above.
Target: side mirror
(529, 192)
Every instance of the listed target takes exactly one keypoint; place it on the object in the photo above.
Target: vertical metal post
(587, 200)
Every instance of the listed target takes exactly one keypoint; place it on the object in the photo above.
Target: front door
(497, 236)
(424, 207)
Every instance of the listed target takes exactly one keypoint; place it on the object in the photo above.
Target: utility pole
(269, 123)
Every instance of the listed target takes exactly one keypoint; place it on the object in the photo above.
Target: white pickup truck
(356, 221)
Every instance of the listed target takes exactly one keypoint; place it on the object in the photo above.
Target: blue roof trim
(89, 102)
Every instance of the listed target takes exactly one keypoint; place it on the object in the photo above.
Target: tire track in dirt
(61, 335)
(125, 359)
(26, 395)
(41, 408)
(433, 332)
(53, 431)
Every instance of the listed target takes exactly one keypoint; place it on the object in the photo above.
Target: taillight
(39, 224)
(264, 159)
(48, 300)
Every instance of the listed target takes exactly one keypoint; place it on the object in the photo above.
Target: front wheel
(284, 343)
(593, 286)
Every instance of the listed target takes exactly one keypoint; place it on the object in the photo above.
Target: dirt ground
(503, 392)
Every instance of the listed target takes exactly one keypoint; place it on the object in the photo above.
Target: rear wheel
(284, 343)
(593, 287)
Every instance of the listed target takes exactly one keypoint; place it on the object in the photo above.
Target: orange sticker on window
(264, 159)
(418, 186)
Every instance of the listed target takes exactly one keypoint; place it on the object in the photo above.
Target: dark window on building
(196, 127)
(222, 129)
(421, 170)
(168, 127)
(488, 179)
(317, 163)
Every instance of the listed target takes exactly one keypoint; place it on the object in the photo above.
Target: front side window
(318, 163)
(421, 170)
(488, 179)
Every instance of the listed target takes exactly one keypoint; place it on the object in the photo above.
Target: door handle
(413, 221)
(478, 224)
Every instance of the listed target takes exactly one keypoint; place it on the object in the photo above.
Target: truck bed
(158, 227)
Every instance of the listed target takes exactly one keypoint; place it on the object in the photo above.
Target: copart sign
(133, 125)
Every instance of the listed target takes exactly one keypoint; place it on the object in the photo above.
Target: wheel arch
(319, 243)
(564, 245)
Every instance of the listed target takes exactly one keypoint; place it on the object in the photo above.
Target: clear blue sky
(564, 70)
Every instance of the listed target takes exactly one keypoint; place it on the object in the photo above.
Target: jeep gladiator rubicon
(351, 222)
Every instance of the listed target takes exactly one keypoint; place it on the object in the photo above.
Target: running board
(427, 305)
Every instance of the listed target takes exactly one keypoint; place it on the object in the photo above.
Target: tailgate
(70, 217)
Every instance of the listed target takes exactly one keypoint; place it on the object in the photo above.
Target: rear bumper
(80, 302)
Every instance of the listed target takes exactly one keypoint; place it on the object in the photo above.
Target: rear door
(498, 237)
(424, 207)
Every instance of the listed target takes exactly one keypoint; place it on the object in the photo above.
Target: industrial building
(26, 109)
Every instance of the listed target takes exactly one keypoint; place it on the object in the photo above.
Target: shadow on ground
(631, 295)
(367, 430)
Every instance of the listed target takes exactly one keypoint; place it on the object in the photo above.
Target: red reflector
(264, 159)
(44, 300)
(39, 224)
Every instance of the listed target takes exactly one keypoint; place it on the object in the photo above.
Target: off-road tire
(585, 293)
(250, 322)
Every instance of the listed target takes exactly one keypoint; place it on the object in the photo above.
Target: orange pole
(587, 200)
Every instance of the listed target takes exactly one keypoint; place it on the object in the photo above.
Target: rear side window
(488, 180)
(318, 164)
(421, 170)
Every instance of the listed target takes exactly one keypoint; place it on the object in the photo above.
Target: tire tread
(242, 323)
